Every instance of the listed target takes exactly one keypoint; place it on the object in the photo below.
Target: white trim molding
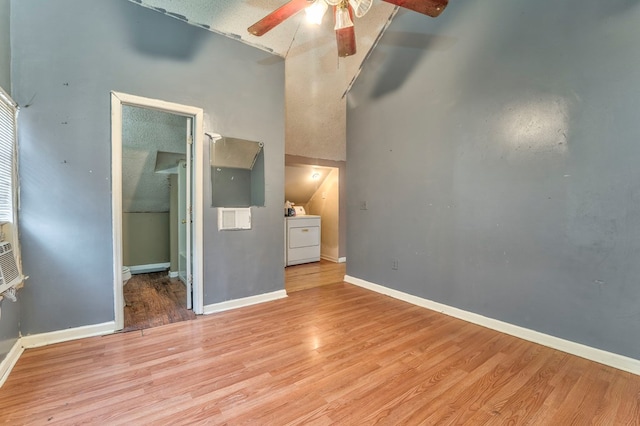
(43, 339)
(329, 258)
(118, 99)
(620, 362)
(245, 301)
(152, 267)
(10, 360)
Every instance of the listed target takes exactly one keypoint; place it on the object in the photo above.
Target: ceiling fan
(343, 12)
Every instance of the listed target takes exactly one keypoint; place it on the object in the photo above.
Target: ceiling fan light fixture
(360, 7)
(316, 12)
(343, 18)
(332, 2)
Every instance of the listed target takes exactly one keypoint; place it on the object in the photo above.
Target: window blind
(8, 111)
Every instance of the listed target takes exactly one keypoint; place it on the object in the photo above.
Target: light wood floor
(154, 299)
(310, 275)
(336, 354)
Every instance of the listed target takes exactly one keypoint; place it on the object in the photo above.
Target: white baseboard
(329, 258)
(151, 267)
(173, 274)
(334, 259)
(245, 301)
(42, 339)
(10, 360)
(620, 362)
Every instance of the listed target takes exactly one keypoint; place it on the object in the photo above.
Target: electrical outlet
(394, 264)
(363, 205)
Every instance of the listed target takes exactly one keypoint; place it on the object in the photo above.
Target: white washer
(303, 239)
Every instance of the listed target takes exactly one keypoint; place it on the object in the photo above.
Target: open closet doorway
(157, 200)
(315, 236)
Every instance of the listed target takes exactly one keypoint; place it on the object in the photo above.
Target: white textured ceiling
(300, 183)
(146, 134)
(316, 79)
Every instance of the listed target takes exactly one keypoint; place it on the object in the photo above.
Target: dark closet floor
(154, 299)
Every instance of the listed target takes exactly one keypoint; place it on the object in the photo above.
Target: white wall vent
(233, 219)
(9, 274)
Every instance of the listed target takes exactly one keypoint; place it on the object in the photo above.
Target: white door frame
(117, 101)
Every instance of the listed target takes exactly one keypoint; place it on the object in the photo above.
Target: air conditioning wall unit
(9, 274)
(230, 219)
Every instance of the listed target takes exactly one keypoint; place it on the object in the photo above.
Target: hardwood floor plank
(333, 354)
(154, 299)
(629, 407)
(530, 397)
(311, 275)
(523, 362)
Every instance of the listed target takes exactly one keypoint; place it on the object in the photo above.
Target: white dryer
(303, 239)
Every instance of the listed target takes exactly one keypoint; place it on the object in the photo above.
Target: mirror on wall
(237, 172)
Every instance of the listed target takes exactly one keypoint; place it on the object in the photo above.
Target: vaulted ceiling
(232, 18)
(316, 79)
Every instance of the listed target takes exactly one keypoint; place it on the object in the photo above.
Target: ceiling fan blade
(426, 7)
(346, 38)
(277, 16)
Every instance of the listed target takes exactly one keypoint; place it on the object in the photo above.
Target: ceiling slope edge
(229, 18)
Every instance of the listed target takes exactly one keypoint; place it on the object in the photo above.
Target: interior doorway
(189, 182)
(316, 188)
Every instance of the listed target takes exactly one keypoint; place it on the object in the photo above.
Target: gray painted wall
(68, 57)
(146, 238)
(5, 46)
(497, 150)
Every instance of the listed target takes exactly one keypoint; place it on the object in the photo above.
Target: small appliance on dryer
(302, 238)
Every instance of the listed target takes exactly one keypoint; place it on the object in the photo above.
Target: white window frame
(9, 225)
(8, 144)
